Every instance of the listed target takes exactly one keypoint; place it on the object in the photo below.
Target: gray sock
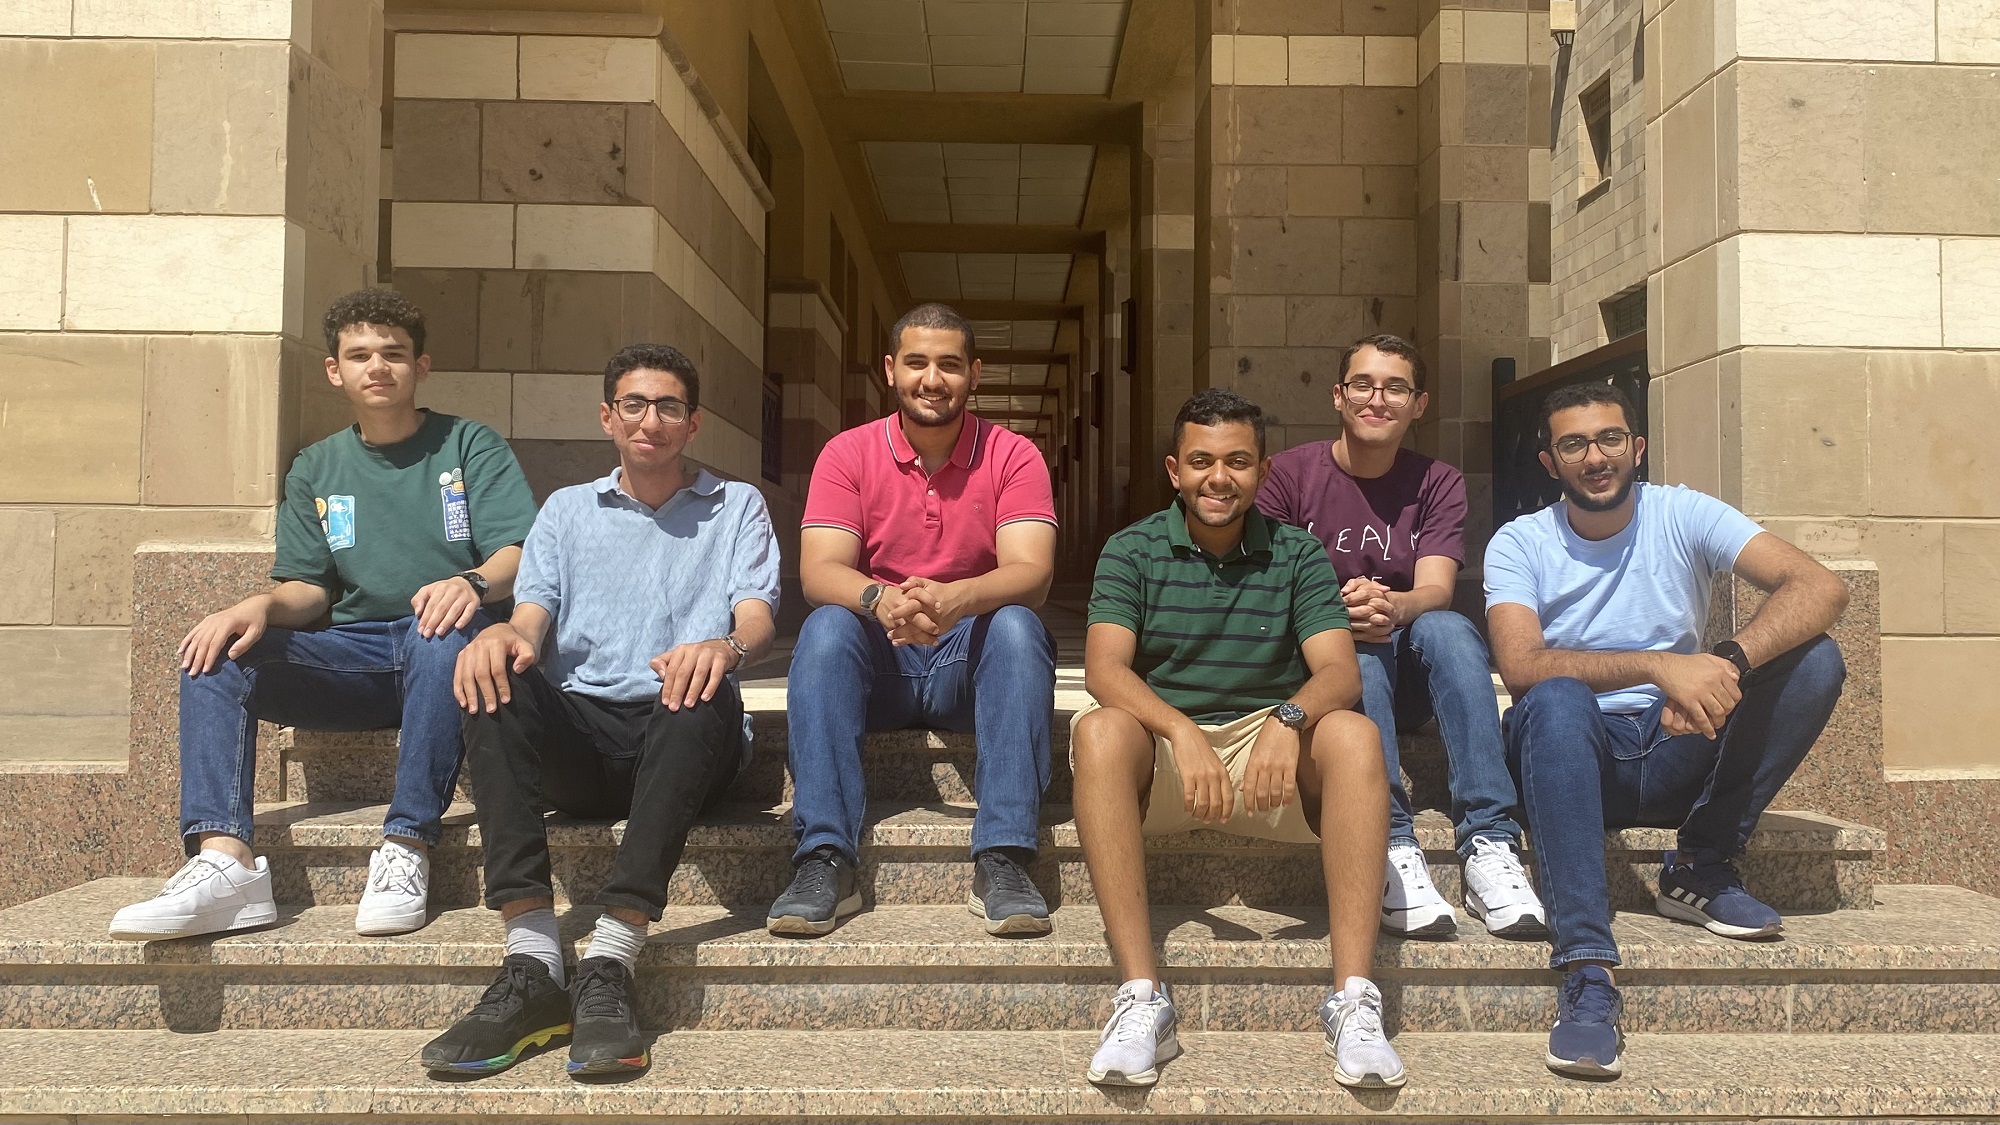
(615, 939)
(533, 932)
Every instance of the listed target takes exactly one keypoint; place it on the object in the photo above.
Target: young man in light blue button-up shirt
(658, 582)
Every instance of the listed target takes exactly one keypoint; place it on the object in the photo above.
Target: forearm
(1414, 603)
(1331, 689)
(499, 571)
(531, 623)
(1796, 612)
(1602, 671)
(294, 604)
(1116, 685)
(828, 583)
(1019, 583)
(755, 632)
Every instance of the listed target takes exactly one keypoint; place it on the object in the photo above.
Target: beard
(1191, 501)
(916, 413)
(1585, 502)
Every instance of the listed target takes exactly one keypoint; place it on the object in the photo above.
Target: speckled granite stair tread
(942, 825)
(1915, 928)
(778, 1076)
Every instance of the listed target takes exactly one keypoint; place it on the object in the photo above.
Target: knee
(1446, 632)
(1017, 630)
(1348, 740)
(1560, 696)
(1108, 741)
(1821, 661)
(435, 653)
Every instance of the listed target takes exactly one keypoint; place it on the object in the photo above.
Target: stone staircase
(1879, 1003)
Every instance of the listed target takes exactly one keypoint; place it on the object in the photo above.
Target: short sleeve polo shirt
(1218, 637)
(942, 526)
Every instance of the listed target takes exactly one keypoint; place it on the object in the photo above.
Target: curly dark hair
(653, 357)
(383, 308)
(1580, 394)
(1207, 408)
(1387, 344)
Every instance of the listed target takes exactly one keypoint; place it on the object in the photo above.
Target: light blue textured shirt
(1644, 589)
(625, 582)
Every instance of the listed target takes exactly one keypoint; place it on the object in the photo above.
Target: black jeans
(552, 749)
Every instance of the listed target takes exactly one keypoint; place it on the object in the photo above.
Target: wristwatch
(742, 650)
(1732, 652)
(869, 596)
(1291, 715)
(477, 580)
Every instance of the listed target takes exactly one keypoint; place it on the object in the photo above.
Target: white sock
(229, 863)
(533, 932)
(1142, 990)
(617, 939)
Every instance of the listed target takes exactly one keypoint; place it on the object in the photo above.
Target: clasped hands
(1371, 613)
(918, 611)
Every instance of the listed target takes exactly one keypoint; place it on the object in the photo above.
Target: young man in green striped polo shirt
(1225, 680)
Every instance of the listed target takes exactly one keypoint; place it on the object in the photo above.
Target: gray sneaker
(824, 890)
(1005, 897)
(1138, 1039)
(1362, 1055)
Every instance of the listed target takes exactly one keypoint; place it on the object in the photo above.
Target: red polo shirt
(870, 482)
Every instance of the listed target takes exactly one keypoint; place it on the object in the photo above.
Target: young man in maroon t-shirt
(1393, 521)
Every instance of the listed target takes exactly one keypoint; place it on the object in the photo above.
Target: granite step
(916, 854)
(780, 1076)
(1927, 960)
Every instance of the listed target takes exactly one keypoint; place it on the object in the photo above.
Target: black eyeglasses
(1575, 447)
(1395, 395)
(632, 408)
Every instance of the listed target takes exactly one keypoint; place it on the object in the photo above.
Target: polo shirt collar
(961, 454)
(705, 484)
(1256, 533)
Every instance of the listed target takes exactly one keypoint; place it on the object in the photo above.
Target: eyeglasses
(632, 408)
(1395, 395)
(1612, 443)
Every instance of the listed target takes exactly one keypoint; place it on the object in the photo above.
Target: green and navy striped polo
(1218, 637)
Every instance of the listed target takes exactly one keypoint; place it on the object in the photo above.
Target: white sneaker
(398, 894)
(1138, 1039)
(210, 894)
(1361, 1052)
(1498, 891)
(1411, 905)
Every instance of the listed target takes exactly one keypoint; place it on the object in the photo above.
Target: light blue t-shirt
(626, 583)
(1644, 589)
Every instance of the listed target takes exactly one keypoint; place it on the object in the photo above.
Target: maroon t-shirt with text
(1377, 527)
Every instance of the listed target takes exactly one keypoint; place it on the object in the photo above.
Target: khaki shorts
(1166, 809)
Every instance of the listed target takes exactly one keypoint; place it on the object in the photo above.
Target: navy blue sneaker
(1711, 895)
(1585, 1040)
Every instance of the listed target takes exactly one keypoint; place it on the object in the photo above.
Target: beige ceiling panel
(1034, 335)
(882, 48)
(900, 184)
(915, 209)
(977, 79)
(1065, 80)
(969, 217)
(987, 265)
(1036, 185)
(976, 17)
(885, 76)
(1036, 373)
(931, 274)
(1009, 186)
(873, 17)
(1073, 50)
(1075, 17)
(906, 158)
(977, 50)
(964, 150)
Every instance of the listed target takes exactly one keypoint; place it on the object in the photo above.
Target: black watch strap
(1733, 652)
(475, 580)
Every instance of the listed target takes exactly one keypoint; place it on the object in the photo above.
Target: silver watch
(742, 650)
(1291, 715)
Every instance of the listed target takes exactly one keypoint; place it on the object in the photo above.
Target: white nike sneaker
(398, 894)
(1497, 890)
(1411, 905)
(1362, 1056)
(210, 894)
(1139, 1037)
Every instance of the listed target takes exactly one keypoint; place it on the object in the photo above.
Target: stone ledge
(803, 1076)
(1903, 934)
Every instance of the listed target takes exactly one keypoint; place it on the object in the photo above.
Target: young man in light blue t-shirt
(1595, 606)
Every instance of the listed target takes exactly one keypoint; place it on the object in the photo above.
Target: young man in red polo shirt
(929, 539)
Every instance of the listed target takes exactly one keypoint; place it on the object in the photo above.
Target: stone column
(185, 184)
(1306, 213)
(1163, 271)
(1826, 201)
(1483, 225)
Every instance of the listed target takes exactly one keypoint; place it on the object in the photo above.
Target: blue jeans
(993, 675)
(1437, 665)
(1583, 771)
(363, 676)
